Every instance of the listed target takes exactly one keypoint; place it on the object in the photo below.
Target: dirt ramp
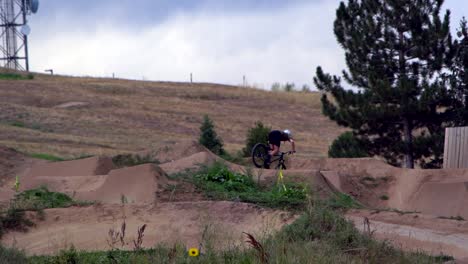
(370, 166)
(442, 199)
(137, 184)
(6, 194)
(81, 167)
(191, 162)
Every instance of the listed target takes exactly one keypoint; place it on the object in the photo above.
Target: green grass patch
(343, 201)
(18, 124)
(45, 156)
(15, 76)
(8, 255)
(30, 125)
(220, 183)
(129, 160)
(41, 198)
(456, 218)
(14, 218)
(384, 197)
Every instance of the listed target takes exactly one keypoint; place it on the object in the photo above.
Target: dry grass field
(72, 117)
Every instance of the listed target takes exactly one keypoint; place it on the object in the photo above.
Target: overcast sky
(218, 40)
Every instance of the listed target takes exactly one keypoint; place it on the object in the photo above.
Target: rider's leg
(273, 151)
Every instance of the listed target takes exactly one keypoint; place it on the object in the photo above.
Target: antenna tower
(14, 31)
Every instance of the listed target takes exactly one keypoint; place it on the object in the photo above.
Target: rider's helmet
(288, 133)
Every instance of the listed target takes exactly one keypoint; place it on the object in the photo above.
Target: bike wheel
(259, 155)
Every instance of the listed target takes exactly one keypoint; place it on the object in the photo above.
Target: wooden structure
(456, 148)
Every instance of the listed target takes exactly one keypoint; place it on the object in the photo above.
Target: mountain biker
(274, 139)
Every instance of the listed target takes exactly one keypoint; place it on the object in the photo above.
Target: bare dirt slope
(415, 231)
(72, 117)
(185, 222)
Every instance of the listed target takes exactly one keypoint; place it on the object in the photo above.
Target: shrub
(347, 146)
(129, 160)
(219, 182)
(256, 134)
(8, 255)
(209, 138)
(289, 87)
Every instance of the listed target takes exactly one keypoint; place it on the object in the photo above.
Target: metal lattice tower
(14, 31)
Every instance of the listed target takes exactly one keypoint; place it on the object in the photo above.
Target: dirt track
(149, 202)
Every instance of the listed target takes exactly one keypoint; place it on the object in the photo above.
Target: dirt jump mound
(137, 184)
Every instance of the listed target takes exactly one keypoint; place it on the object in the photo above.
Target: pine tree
(209, 138)
(395, 51)
(347, 146)
(458, 77)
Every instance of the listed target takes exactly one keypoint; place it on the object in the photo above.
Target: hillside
(71, 117)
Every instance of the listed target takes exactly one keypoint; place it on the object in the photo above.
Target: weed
(14, 219)
(113, 236)
(384, 197)
(262, 254)
(457, 218)
(46, 157)
(137, 243)
(129, 160)
(8, 255)
(343, 201)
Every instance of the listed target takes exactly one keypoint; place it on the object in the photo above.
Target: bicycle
(260, 155)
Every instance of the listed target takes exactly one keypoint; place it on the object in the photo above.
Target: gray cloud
(277, 45)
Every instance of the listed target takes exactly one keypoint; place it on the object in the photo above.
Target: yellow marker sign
(280, 179)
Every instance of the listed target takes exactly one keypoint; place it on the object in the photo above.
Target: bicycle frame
(280, 159)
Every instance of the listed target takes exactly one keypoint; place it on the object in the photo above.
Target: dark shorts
(275, 137)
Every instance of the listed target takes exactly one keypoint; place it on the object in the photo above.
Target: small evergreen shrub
(209, 138)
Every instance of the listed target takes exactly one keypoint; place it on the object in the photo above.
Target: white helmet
(287, 132)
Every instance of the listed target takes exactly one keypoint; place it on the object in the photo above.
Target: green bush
(129, 160)
(347, 146)
(42, 198)
(209, 138)
(219, 182)
(11, 256)
(256, 134)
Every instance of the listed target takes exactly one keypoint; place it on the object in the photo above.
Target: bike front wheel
(259, 155)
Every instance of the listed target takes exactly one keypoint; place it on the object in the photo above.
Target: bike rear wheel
(259, 155)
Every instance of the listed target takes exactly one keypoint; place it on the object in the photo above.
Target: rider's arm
(293, 145)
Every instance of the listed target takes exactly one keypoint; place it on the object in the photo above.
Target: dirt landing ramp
(82, 167)
(137, 184)
(416, 232)
(176, 151)
(192, 162)
(442, 199)
(87, 228)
